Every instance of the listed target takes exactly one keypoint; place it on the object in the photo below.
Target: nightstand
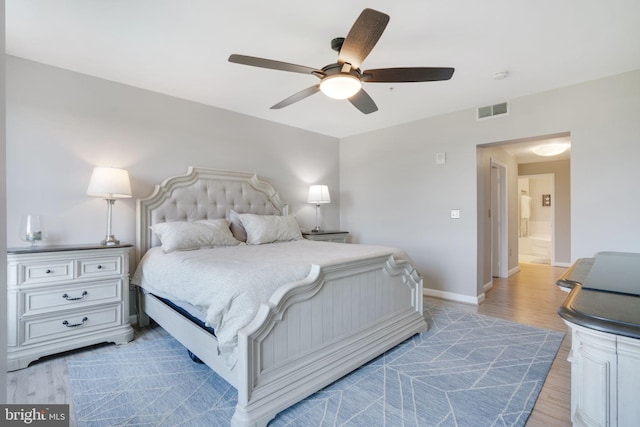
(327, 236)
(64, 297)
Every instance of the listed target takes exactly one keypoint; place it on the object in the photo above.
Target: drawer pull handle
(69, 325)
(48, 271)
(84, 294)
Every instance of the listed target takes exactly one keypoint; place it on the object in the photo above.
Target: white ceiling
(180, 48)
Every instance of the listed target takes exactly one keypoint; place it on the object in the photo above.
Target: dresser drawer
(102, 266)
(63, 297)
(49, 328)
(46, 271)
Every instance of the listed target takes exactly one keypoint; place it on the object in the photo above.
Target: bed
(310, 331)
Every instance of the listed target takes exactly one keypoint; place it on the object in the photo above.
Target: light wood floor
(528, 297)
(47, 380)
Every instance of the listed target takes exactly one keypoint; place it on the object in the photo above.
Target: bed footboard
(315, 331)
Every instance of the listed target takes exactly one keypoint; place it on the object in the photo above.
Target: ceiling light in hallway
(549, 150)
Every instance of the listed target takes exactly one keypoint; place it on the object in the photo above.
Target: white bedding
(230, 283)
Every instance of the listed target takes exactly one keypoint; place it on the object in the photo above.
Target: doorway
(519, 158)
(536, 213)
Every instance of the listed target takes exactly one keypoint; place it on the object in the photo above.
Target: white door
(498, 212)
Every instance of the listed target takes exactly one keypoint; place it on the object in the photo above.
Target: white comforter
(230, 283)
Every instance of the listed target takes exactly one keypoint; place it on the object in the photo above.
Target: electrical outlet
(455, 213)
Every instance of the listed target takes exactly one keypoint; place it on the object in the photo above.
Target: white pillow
(186, 236)
(237, 229)
(270, 228)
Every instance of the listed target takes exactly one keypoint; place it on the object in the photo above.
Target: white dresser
(65, 297)
(603, 313)
(605, 378)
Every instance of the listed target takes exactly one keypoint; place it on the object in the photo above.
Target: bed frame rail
(200, 342)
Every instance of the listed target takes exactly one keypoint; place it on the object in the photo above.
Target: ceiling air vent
(493, 110)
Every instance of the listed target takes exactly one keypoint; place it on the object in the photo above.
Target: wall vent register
(493, 110)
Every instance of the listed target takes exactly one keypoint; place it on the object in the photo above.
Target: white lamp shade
(319, 194)
(109, 183)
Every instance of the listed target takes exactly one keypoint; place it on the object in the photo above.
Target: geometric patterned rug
(467, 370)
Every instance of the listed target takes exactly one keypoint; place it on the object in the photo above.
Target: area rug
(467, 370)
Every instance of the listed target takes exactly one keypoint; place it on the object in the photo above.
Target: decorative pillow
(270, 228)
(237, 229)
(186, 236)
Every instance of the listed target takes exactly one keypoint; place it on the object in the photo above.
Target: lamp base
(110, 241)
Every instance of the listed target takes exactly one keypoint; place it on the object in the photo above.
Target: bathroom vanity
(602, 311)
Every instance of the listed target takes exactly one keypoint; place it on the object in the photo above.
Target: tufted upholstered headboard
(203, 194)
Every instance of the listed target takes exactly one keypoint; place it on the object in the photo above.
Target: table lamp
(109, 184)
(318, 194)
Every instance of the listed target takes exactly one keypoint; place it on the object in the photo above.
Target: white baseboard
(562, 264)
(488, 286)
(453, 297)
(480, 299)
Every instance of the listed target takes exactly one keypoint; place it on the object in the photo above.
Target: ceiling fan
(343, 79)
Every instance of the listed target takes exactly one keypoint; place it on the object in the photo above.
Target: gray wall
(386, 187)
(394, 193)
(61, 124)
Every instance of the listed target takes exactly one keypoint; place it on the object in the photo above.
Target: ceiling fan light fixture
(340, 86)
(549, 150)
(343, 79)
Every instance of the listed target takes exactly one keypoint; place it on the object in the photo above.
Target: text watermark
(35, 415)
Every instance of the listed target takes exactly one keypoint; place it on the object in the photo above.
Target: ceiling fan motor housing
(336, 44)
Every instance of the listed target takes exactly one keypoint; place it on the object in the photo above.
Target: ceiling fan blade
(362, 37)
(407, 75)
(273, 65)
(363, 102)
(297, 97)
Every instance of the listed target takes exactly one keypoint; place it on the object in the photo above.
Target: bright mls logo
(35, 415)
